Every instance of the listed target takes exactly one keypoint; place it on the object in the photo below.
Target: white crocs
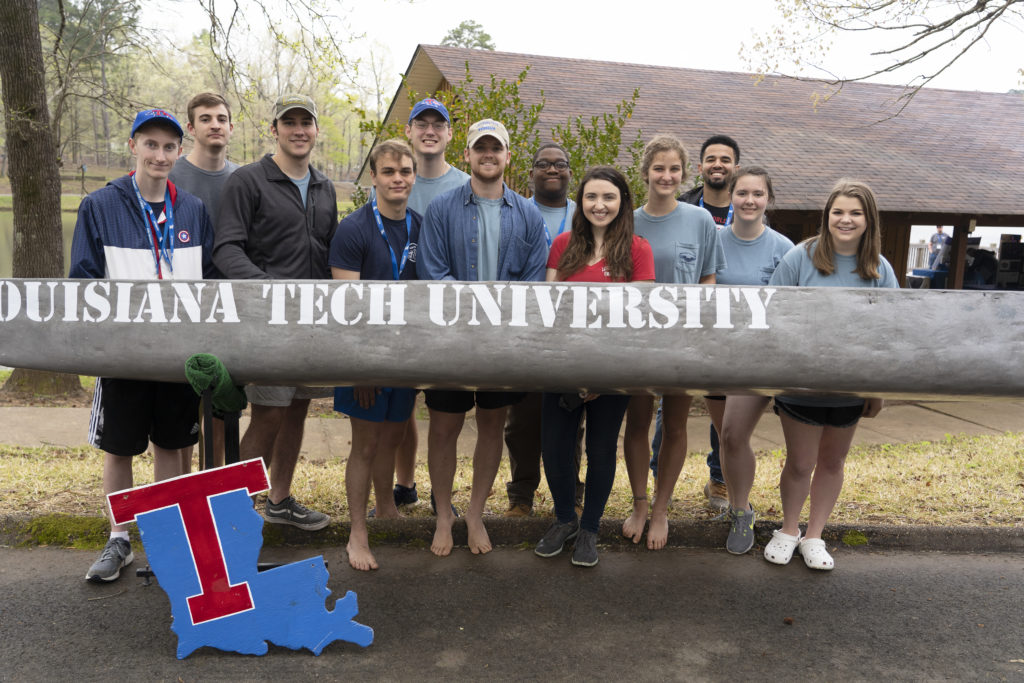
(780, 549)
(815, 554)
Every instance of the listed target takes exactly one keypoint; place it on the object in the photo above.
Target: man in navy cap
(141, 227)
(429, 132)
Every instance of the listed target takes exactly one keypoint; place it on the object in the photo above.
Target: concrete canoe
(632, 338)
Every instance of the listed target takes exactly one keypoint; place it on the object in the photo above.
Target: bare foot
(479, 541)
(359, 555)
(657, 535)
(633, 527)
(442, 543)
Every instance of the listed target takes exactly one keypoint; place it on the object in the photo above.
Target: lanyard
(561, 226)
(163, 240)
(396, 268)
(728, 218)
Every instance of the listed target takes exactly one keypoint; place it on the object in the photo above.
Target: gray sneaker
(117, 553)
(585, 552)
(554, 540)
(741, 531)
(291, 511)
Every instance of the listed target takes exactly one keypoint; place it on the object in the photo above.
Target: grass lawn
(974, 481)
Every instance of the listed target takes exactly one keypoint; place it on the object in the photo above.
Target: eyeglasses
(544, 164)
(438, 126)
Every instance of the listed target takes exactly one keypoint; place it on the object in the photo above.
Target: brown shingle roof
(947, 152)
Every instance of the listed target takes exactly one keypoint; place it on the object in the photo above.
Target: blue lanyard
(396, 268)
(728, 218)
(561, 226)
(163, 240)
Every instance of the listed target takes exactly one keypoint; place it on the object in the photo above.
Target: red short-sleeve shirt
(643, 261)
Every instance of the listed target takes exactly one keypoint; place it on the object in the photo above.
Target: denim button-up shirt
(450, 233)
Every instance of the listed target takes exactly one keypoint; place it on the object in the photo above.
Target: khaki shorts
(282, 397)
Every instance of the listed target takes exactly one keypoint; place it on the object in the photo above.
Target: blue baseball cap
(149, 115)
(429, 104)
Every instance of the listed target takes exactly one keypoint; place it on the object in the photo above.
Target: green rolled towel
(205, 371)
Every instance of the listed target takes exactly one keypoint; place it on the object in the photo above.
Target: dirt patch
(78, 399)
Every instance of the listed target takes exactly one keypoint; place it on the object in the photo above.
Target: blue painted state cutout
(289, 601)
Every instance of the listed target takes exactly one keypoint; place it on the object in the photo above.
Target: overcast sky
(696, 35)
(680, 33)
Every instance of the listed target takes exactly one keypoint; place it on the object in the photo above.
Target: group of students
(670, 241)
(427, 220)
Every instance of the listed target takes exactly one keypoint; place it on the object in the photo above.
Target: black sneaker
(405, 495)
(292, 512)
(117, 553)
(741, 531)
(585, 552)
(556, 537)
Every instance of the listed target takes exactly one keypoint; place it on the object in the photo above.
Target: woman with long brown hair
(600, 248)
(846, 252)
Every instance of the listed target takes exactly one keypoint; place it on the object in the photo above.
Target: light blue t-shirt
(303, 186)
(685, 243)
(425, 189)
(751, 262)
(556, 220)
(489, 229)
(797, 270)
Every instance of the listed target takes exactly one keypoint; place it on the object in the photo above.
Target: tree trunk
(35, 177)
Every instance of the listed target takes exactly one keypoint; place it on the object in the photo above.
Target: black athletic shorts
(447, 401)
(127, 414)
(820, 416)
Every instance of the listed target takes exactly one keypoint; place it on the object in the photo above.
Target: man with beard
(482, 231)
(719, 159)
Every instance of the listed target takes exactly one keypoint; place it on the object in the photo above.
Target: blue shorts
(392, 405)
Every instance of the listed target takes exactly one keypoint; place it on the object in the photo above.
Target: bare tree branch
(940, 32)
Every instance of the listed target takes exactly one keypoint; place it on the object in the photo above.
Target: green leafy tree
(599, 141)
(469, 34)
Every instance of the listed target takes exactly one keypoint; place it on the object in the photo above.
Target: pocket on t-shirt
(518, 257)
(687, 263)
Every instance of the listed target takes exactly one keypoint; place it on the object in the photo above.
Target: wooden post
(958, 256)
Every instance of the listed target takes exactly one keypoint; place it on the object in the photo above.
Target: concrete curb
(24, 530)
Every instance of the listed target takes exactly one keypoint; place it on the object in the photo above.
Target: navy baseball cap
(429, 104)
(149, 115)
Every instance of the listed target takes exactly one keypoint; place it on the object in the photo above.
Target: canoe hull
(552, 336)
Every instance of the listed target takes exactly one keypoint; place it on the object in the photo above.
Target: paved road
(678, 614)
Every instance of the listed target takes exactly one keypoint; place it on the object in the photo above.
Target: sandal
(780, 549)
(816, 555)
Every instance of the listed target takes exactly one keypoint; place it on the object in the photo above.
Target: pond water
(7, 240)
